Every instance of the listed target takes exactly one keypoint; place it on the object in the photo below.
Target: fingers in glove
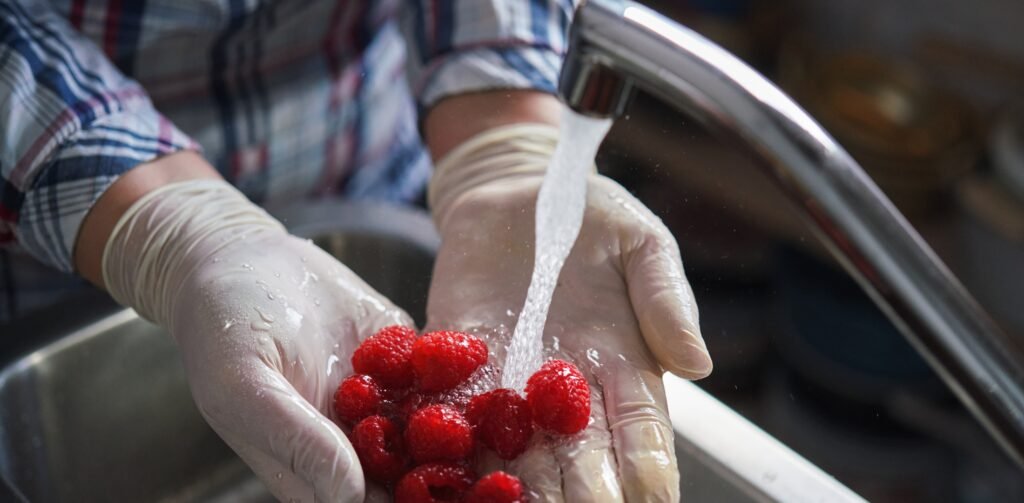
(665, 307)
(540, 474)
(371, 309)
(641, 433)
(286, 440)
(589, 470)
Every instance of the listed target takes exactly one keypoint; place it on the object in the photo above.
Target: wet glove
(266, 324)
(623, 311)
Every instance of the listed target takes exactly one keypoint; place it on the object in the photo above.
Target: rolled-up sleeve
(460, 46)
(70, 124)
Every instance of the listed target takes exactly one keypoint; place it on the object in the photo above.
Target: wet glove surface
(623, 311)
(266, 324)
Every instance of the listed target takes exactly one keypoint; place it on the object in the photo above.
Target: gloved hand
(266, 324)
(622, 311)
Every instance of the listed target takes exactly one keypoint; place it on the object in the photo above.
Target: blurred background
(927, 96)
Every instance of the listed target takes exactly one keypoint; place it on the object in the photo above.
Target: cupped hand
(266, 336)
(266, 324)
(622, 310)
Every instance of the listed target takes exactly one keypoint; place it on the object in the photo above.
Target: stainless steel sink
(98, 408)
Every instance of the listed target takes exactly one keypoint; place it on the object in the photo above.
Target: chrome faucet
(616, 45)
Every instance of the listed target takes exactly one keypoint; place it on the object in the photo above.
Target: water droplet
(316, 302)
(270, 295)
(267, 317)
(331, 361)
(510, 313)
(228, 324)
(277, 275)
(259, 326)
(279, 476)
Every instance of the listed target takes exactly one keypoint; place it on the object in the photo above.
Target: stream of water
(559, 215)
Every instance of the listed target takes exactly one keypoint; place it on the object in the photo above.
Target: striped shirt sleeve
(460, 46)
(70, 124)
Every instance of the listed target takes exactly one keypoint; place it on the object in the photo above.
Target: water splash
(559, 215)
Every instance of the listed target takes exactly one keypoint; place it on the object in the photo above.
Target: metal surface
(724, 457)
(862, 228)
(100, 410)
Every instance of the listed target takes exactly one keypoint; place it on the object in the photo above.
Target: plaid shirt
(287, 98)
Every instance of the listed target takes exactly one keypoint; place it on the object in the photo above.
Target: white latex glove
(266, 324)
(622, 311)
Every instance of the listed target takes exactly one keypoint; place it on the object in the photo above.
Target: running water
(559, 215)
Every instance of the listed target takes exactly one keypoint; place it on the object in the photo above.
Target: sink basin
(97, 409)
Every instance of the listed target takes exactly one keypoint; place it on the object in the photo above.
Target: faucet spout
(593, 89)
(615, 45)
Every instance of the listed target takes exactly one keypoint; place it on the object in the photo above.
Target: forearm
(105, 213)
(458, 118)
(474, 66)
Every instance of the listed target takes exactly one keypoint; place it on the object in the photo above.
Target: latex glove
(266, 324)
(622, 311)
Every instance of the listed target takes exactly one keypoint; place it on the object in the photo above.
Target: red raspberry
(497, 487)
(385, 356)
(378, 442)
(434, 482)
(358, 396)
(403, 408)
(438, 433)
(559, 397)
(444, 359)
(502, 421)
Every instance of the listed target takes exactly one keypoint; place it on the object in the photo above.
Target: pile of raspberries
(412, 435)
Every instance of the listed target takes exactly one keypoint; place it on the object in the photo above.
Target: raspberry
(444, 359)
(403, 409)
(434, 482)
(385, 356)
(502, 421)
(497, 487)
(378, 442)
(559, 397)
(438, 433)
(358, 396)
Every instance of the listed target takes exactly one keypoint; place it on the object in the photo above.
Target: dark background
(917, 91)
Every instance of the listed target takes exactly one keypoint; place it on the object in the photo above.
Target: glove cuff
(500, 153)
(167, 233)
